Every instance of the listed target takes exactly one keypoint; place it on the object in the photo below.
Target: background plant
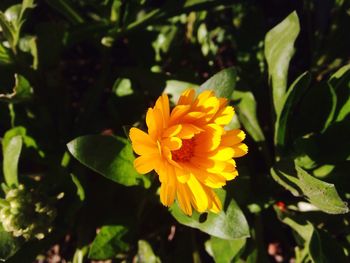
(76, 71)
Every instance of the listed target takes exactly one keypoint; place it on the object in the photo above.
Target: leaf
(8, 244)
(291, 99)
(5, 55)
(28, 141)
(145, 253)
(175, 87)
(246, 109)
(223, 83)
(22, 91)
(223, 250)
(11, 149)
(7, 29)
(317, 245)
(29, 44)
(123, 87)
(279, 49)
(67, 10)
(230, 224)
(108, 242)
(340, 83)
(319, 193)
(109, 156)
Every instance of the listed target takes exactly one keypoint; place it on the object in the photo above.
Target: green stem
(12, 114)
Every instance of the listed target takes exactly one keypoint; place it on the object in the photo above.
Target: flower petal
(199, 196)
(240, 150)
(154, 121)
(168, 188)
(142, 142)
(232, 137)
(186, 97)
(183, 196)
(146, 163)
(163, 105)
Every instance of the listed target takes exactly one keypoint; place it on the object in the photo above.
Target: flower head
(189, 149)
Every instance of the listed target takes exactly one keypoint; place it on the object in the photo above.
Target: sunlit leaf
(224, 250)
(11, 149)
(175, 87)
(300, 183)
(108, 242)
(145, 253)
(109, 156)
(229, 224)
(223, 83)
(246, 109)
(279, 49)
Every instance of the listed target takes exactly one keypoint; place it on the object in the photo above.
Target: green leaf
(223, 250)
(108, 243)
(109, 156)
(319, 193)
(279, 49)
(26, 4)
(11, 148)
(230, 224)
(29, 44)
(22, 91)
(175, 87)
(66, 9)
(8, 244)
(28, 141)
(246, 109)
(7, 30)
(123, 87)
(5, 55)
(318, 246)
(145, 253)
(291, 100)
(340, 82)
(223, 83)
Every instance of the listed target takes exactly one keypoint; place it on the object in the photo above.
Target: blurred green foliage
(76, 75)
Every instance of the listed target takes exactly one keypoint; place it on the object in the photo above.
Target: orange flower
(189, 149)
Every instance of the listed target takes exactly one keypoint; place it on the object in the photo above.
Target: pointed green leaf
(223, 83)
(108, 243)
(291, 99)
(246, 109)
(223, 250)
(279, 49)
(230, 224)
(11, 148)
(5, 55)
(145, 253)
(319, 193)
(109, 156)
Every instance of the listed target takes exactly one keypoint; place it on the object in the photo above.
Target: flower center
(186, 152)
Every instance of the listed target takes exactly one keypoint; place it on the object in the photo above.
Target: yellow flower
(189, 149)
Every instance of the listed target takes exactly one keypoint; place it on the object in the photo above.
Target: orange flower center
(186, 152)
